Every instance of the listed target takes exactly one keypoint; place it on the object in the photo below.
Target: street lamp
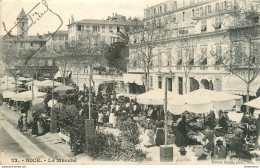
(166, 153)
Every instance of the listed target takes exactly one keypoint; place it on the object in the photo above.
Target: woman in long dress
(181, 135)
(148, 135)
(160, 135)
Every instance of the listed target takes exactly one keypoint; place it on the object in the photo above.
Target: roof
(95, 21)
(22, 14)
(27, 39)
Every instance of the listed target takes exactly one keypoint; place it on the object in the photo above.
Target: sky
(80, 9)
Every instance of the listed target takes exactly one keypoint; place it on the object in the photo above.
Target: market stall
(27, 96)
(202, 101)
(156, 97)
(63, 88)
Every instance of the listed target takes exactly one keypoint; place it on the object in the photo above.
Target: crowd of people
(110, 111)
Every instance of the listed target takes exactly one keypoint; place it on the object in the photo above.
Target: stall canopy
(50, 103)
(156, 97)
(254, 103)
(35, 82)
(202, 101)
(27, 96)
(134, 78)
(19, 89)
(63, 88)
(38, 101)
(8, 94)
(236, 85)
(25, 79)
(48, 83)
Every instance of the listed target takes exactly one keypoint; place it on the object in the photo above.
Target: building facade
(183, 45)
(33, 51)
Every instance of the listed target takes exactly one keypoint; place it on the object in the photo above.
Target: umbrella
(63, 88)
(202, 101)
(25, 79)
(8, 94)
(254, 103)
(38, 109)
(37, 101)
(156, 97)
(18, 89)
(50, 103)
(35, 82)
(49, 83)
(27, 96)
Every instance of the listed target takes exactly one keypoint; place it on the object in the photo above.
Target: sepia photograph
(120, 82)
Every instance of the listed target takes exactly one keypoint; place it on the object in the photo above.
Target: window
(217, 24)
(169, 58)
(206, 10)
(217, 8)
(111, 29)
(191, 56)
(31, 44)
(159, 23)
(203, 26)
(201, 11)
(79, 28)
(160, 9)
(204, 51)
(179, 62)
(193, 12)
(218, 54)
(159, 60)
(151, 82)
(159, 82)
(209, 8)
(165, 8)
(118, 29)
(183, 16)
(96, 28)
(174, 5)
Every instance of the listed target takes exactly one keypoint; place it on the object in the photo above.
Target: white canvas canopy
(35, 82)
(37, 101)
(63, 88)
(49, 83)
(27, 96)
(8, 94)
(50, 103)
(254, 103)
(156, 97)
(25, 79)
(202, 101)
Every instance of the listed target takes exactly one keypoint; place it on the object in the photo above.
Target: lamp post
(53, 127)
(166, 152)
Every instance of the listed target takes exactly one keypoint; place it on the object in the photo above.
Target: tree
(186, 49)
(241, 56)
(145, 40)
(117, 56)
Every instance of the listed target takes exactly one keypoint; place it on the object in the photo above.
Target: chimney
(72, 19)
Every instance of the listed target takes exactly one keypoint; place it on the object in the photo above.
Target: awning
(134, 78)
(254, 103)
(235, 85)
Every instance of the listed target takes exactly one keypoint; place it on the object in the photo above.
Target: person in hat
(149, 134)
(223, 123)
(182, 131)
(220, 151)
(209, 138)
(237, 147)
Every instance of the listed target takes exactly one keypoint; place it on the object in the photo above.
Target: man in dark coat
(181, 135)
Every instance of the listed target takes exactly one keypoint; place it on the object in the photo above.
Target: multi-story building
(183, 38)
(106, 28)
(23, 46)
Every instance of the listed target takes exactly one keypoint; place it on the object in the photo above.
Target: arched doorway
(194, 84)
(205, 83)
